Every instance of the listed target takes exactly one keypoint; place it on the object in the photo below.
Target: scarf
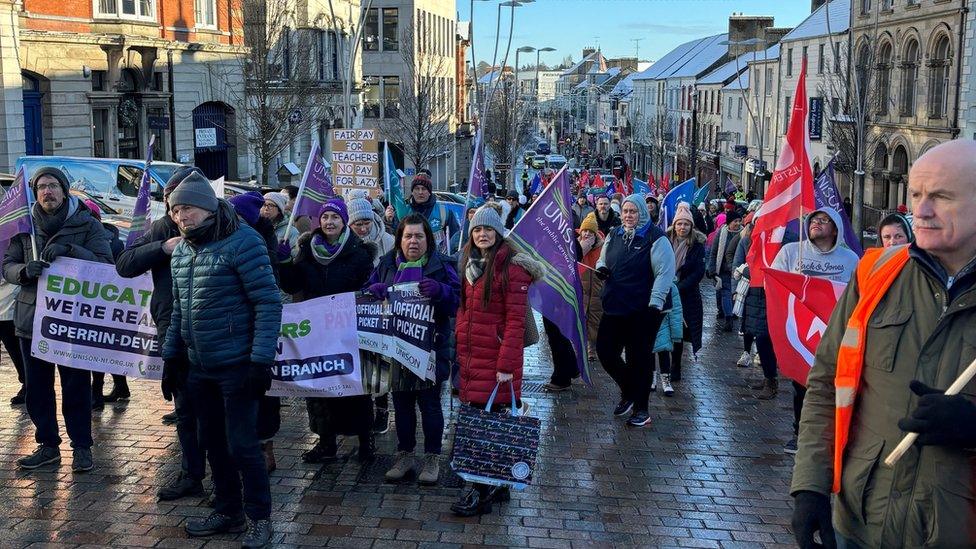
(723, 236)
(475, 267)
(409, 271)
(322, 251)
(681, 247)
(50, 224)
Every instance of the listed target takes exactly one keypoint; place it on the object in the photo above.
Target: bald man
(917, 325)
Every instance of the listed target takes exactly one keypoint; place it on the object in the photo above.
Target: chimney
(744, 28)
(815, 5)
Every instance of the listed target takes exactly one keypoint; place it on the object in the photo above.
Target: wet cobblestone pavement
(708, 472)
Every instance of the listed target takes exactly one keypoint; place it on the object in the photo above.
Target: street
(708, 472)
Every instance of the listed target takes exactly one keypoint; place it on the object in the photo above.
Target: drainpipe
(956, 130)
(172, 104)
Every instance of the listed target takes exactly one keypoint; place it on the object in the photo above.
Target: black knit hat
(51, 172)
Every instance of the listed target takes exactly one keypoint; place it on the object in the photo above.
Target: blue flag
(684, 192)
(536, 185)
(546, 234)
(641, 187)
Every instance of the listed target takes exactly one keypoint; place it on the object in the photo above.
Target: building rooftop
(817, 23)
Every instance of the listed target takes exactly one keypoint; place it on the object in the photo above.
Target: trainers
(639, 419)
(790, 447)
(623, 408)
(258, 534)
(20, 397)
(42, 456)
(655, 378)
(216, 523)
(431, 470)
(744, 360)
(182, 487)
(381, 421)
(666, 385)
(403, 466)
(81, 460)
(170, 418)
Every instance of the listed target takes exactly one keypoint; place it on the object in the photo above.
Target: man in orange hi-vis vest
(903, 331)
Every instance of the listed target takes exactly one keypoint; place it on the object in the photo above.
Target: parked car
(114, 181)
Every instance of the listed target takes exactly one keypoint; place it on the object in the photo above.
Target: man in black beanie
(63, 227)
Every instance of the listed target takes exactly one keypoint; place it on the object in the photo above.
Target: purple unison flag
(14, 208)
(826, 194)
(316, 186)
(141, 213)
(546, 233)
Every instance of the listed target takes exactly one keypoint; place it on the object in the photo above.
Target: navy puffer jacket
(226, 306)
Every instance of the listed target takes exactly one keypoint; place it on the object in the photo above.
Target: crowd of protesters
(222, 269)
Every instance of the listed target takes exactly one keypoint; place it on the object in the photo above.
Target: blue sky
(569, 25)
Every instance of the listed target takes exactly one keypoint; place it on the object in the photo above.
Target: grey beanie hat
(195, 190)
(486, 216)
(359, 208)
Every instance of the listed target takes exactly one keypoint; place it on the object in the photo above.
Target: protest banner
(411, 330)
(88, 317)
(318, 351)
(355, 159)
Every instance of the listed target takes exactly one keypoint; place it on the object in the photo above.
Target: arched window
(884, 78)
(909, 78)
(939, 62)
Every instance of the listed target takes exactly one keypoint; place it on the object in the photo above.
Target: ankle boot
(769, 390)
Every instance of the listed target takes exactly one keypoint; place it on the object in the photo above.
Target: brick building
(96, 77)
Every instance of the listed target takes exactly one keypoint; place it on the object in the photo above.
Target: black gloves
(603, 273)
(811, 513)
(33, 269)
(54, 251)
(175, 371)
(941, 420)
(258, 379)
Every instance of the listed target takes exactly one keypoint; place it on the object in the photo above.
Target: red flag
(798, 308)
(598, 182)
(790, 193)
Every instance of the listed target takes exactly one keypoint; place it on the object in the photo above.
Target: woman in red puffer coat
(491, 329)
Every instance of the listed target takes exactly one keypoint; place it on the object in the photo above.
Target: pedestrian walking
(901, 334)
(637, 264)
(120, 387)
(719, 266)
(222, 340)
(63, 227)
(668, 335)
(490, 330)
(414, 259)
(822, 254)
(606, 218)
(331, 260)
(689, 269)
(895, 230)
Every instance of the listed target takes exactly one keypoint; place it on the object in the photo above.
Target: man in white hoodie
(822, 254)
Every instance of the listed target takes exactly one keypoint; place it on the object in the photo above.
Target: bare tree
(284, 96)
(501, 122)
(422, 120)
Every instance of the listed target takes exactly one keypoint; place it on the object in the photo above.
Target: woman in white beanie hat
(368, 225)
(275, 210)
